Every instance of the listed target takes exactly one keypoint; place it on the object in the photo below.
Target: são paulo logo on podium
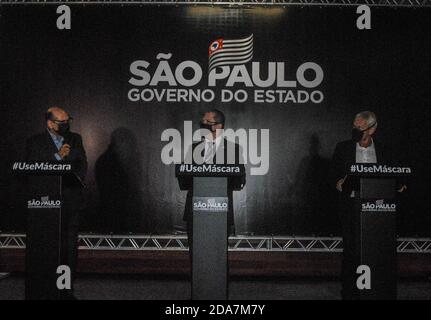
(43, 203)
(378, 206)
(213, 204)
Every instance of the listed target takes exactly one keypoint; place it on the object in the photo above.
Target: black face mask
(357, 134)
(207, 126)
(63, 128)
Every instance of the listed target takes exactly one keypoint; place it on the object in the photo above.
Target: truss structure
(237, 243)
(380, 3)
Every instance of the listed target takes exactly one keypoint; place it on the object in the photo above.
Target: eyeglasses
(70, 120)
(211, 123)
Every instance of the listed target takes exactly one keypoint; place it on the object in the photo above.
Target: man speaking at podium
(215, 144)
(58, 143)
(361, 148)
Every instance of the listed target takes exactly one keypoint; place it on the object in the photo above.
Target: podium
(210, 206)
(44, 182)
(374, 218)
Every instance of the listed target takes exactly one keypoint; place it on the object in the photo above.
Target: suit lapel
(194, 146)
(223, 146)
(52, 148)
(352, 152)
(379, 152)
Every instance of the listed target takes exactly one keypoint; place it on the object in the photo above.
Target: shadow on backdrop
(119, 179)
(316, 199)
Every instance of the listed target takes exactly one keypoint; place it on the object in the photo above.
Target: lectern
(210, 226)
(374, 195)
(44, 181)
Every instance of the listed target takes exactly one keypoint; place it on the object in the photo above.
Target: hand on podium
(402, 188)
(339, 185)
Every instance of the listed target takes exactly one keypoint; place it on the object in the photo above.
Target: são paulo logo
(232, 74)
(210, 204)
(379, 206)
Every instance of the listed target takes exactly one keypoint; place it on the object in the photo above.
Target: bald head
(55, 118)
(56, 113)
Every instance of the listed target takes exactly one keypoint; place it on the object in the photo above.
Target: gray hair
(368, 116)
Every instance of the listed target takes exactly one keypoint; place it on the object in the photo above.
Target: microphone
(67, 139)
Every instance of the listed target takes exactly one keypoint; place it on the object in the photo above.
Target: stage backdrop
(126, 74)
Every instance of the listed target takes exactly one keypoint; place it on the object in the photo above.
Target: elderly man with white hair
(361, 148)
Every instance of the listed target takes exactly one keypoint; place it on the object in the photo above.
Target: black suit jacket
(345, 154)
(234, 183)
(40, 147)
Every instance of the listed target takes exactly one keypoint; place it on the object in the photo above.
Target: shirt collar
(371, 146)
(55, 137)
(217, 140)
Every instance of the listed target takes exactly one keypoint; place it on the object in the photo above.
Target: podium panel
(209, 254)
(377, 247)
(44, 192)
(42, 254)
(375, 188)
(375, 208)
(43, 243)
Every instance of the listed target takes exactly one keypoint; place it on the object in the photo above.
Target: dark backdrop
(86, 71)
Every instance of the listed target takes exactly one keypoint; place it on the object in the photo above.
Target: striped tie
(211, 152)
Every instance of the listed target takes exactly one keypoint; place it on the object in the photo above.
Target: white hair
(368, 116)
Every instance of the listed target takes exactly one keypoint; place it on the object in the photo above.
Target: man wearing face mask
(215, 147)
(362, 148)
(58, 144)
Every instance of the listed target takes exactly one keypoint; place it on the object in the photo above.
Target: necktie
(211, 152)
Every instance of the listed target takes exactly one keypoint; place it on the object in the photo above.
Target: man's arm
(186, 183)
(337, 172)
(397, 160)
(241, 180)
(237, 183)
(80, 163)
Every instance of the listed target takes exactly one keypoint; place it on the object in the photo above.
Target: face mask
(357, 134)
(206, 126)
(63, 128)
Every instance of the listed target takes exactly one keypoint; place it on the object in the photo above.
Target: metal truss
(379, 3)
(238, 243)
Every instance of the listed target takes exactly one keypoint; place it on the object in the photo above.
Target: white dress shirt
(366, 155)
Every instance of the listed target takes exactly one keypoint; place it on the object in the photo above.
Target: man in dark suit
(362, 148)
(215, 145)
(58, 143)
